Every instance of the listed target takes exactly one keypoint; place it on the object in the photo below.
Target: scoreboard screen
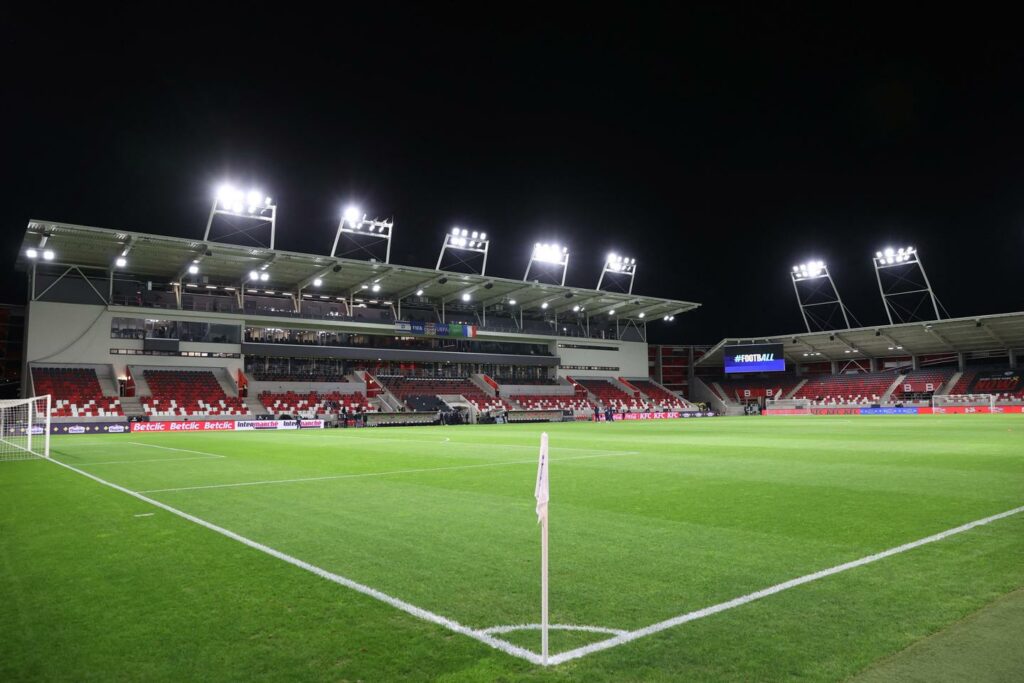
(754, 358)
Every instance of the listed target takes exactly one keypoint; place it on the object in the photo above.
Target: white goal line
(484, 635)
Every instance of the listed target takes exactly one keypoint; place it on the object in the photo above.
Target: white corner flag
(542, 493)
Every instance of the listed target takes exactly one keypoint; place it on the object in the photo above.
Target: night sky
(717, 147)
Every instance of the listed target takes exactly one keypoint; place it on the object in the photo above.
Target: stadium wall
(581, 357)
(258, 387)
(80, 334)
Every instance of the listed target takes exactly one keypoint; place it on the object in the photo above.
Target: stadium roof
(168, 258)
(1001, 332)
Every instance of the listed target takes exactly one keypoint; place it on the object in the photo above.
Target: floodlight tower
(242, 214)
(461, 240)
(549, 254)
(618, 265)
(906, 289)
(809, 280)
(362, 234)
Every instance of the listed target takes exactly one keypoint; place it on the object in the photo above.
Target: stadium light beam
(551, 254)
(257, 208)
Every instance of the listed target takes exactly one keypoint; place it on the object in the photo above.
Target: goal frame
(971, 400)
(37, 416)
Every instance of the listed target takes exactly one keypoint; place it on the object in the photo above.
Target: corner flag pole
(542, 493)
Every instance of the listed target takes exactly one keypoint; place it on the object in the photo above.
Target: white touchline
(419, 612)
(484, 635)
(331, 477)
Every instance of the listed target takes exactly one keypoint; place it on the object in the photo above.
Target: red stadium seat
(187, 393)
(75, 392)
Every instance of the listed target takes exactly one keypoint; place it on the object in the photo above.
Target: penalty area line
(426, 615)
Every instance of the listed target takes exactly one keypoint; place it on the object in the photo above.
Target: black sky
(717, 146)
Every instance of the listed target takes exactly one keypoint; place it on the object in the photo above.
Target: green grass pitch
(649, 521)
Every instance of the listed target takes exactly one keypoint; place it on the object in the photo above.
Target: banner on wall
(435, 329)
(224, 425)
(73, 428)
(947, 410)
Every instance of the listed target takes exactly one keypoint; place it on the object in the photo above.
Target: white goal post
(25, 428)
(970, 400)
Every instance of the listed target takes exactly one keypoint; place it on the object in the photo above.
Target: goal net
(968, 400)
(788, 404)
(25, 428)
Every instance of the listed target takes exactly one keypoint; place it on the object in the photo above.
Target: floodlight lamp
(642, 314)
(611, 257)
(878, 254)
(576, 309)
(31, 253)
(375, 288)
(419, 292)
(253, 275)
(48, 254)
(611, 312)
(455, 231)
(889, 252)
(465, 297)
(317, 282)
(476, 234)
(264, 277)
(225, 193)
(352, 214)
(511, 302)
(193, 269)
(121, 262)
(483, 235)
(465, 232)
(544, 305)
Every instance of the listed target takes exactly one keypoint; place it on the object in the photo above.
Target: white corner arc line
(554, 627)
(419, 612)
(772, 590)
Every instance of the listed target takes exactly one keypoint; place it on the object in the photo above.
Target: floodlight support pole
(836, 299)
(800, 303)
(928, 284)
(481, 246)
(842, 306)
(881, 292)
(377, 228)
(629, 269)
(913, 259)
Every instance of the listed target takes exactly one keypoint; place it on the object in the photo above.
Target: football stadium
(236, 461)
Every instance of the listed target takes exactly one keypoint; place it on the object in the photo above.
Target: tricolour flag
(541, 492)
